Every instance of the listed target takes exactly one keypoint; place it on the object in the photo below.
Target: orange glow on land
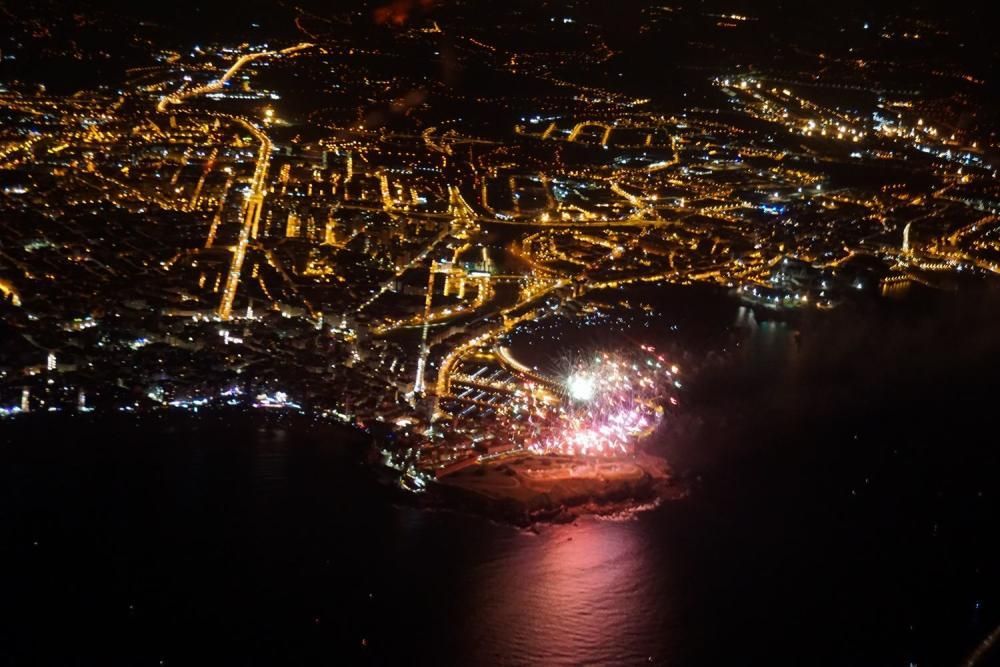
(399, 12)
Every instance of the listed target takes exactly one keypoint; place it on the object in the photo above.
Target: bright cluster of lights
(581, 387)
(610, 402)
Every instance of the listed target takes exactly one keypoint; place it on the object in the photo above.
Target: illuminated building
(292, 228)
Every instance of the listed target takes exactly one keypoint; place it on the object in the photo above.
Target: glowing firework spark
(611, 402)
(581, 387)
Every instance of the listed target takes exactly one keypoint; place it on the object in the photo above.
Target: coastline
(526, 490)
(519, 489)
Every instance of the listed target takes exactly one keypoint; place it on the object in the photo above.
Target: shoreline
(529, 490)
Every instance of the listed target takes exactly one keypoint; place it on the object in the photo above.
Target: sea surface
(842, 509)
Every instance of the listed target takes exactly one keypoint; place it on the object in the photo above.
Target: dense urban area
(395, 216)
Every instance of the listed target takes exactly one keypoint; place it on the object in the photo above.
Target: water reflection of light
(588, 590)
(270, 458)
(745, 318)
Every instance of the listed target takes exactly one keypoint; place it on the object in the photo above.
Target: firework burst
(610, 402)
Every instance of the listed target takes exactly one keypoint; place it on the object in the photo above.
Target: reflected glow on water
(585, 590)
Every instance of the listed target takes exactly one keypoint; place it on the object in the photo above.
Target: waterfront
(864, 538)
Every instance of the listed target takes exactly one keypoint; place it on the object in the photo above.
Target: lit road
(180, 95)
(251, 217)
(420, 257)
(255, 201)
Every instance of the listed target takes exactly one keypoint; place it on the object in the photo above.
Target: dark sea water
(842, 510)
